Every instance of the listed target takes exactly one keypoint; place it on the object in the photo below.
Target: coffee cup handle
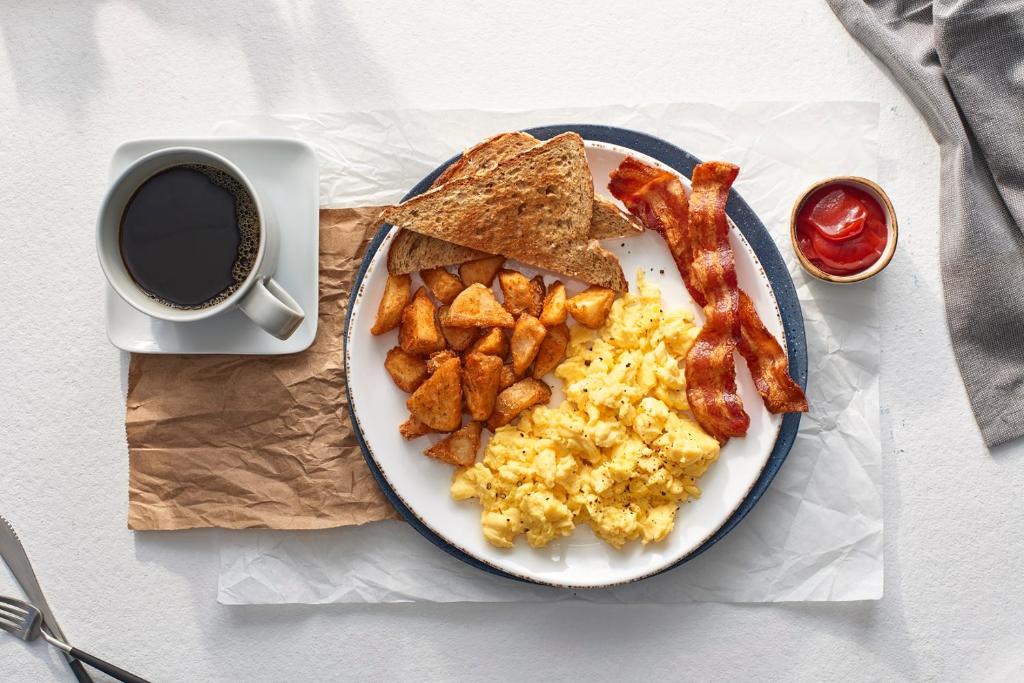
(269, 306)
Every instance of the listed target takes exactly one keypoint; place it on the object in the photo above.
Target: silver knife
(17, 560)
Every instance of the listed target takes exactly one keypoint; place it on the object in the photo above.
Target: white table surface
(77, 79)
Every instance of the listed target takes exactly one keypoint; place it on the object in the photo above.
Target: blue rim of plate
(761, 242)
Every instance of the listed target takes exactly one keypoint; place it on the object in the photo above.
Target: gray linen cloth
(962, 63)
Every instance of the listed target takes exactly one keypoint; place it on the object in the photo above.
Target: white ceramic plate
(580, 560)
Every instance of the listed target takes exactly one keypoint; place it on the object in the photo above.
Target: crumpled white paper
(815, 535)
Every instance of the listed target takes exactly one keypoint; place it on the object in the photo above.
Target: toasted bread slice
(609, 221)
(412, 251)
(486, 155)
(535, 207)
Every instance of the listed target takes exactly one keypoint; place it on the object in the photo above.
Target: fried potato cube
(517, 398)
(552, 350)
(521, 294)
(397, 293)
(438, 401)
(420, 334)
(481, 270)
(476, 306)
(408, 371)
(459, 448)
(494, 343)
(439, 357)
(526, 340)
(459, 338)
(442, 284)
(508, 377)
(412, 428)
(590, 307)
(553, 311)
(480, 380)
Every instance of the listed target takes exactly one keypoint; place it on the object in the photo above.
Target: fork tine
(10, 626)
(12, 613)
(13, 609)
(13, 601)
(17, 619)
(21, 610)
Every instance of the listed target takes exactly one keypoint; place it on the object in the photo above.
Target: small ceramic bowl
(892, 229)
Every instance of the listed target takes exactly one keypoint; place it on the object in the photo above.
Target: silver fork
(24, 621)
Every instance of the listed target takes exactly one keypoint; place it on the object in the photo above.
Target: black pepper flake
(661, 271)
(629, 365)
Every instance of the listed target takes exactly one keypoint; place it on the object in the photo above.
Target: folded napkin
(962, 63)
(256, 441)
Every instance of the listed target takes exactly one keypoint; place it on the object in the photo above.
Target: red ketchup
(841, 229)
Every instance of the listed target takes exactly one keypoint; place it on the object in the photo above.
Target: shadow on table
(53, 53)
(275, 37)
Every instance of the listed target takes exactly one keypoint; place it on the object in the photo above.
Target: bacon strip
(767, 362)
(710, 367)
(658, 199)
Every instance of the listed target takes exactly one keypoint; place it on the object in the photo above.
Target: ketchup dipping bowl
(837, 229)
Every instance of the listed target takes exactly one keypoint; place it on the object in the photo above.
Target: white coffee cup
(260, 297)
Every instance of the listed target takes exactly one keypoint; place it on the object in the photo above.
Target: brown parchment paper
(256, 441)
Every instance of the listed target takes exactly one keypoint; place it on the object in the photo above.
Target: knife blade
(13, 553)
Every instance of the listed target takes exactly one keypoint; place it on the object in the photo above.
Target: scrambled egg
(619, 454)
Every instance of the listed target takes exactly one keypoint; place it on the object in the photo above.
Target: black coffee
(189, 236)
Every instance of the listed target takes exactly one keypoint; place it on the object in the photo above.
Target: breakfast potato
(397, 292)
(553, 311)
(437, 402)
(459, 448)
(408, 371)
(494, 343)
(439, 357)
(442, 284)
(527, 337)
(521, 294)
(413, 428)
(591, 306)
(481, 270)
(480, 380)
(552, 350)
(420, 334)
(507, 378)
(458, 338)
(476, 306)
(517, 398)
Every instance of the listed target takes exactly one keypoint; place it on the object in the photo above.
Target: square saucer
(286, 173)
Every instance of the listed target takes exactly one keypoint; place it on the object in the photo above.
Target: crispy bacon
(658, 199)
(767, 363)
(710, 366)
